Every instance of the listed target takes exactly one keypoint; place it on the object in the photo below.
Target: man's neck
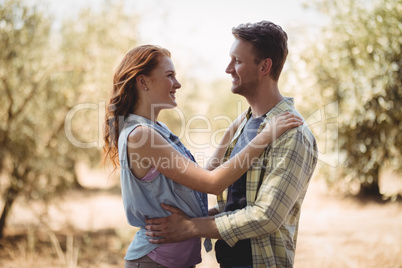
(264, 101)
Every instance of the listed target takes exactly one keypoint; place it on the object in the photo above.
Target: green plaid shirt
(276, 186)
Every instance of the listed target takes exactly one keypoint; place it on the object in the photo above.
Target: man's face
(243, 69)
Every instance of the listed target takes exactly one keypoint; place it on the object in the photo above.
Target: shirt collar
(142, 120)
(284, 105)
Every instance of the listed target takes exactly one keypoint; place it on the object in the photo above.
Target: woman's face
(162, 85)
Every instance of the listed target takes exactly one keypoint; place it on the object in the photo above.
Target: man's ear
(266, 65)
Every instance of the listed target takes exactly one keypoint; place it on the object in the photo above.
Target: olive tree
(356, 61)
(45, 72)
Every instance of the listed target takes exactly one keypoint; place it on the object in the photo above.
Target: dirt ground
(89, 229)
(342, 232)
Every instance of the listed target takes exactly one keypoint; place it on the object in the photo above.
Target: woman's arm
(216, 158)
(147, 147)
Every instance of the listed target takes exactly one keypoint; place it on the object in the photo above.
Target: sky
(198, 33)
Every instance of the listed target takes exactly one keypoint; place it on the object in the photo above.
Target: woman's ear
(141, 82)
(266, 66)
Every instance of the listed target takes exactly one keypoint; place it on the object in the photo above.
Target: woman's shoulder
(141, 133)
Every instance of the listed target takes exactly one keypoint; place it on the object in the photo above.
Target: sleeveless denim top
(142, 199)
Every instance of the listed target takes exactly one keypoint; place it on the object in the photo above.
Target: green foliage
(44, 74)
(358, 62)
(32, 103)
(33, 154)
(92, 44)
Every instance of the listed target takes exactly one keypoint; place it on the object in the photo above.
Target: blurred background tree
(45, 72)
(357, 63)
(92, 44)
(32, 106)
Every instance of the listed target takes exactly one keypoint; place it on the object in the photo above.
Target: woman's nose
(177, 84)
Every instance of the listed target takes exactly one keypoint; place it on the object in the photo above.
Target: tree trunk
(371, 190)
(9, 198)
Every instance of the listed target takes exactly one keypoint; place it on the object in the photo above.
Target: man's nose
(229, 68)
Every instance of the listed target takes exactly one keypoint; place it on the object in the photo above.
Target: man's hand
(212, 212)
(174, 228)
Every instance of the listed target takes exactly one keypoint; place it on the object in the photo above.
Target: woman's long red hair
(141, 60)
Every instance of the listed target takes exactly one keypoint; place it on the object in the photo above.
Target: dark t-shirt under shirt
(240, 254)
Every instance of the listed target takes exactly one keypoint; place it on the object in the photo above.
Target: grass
(102, 248)
(89, 229)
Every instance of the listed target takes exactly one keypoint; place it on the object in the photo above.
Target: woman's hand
(280, 123)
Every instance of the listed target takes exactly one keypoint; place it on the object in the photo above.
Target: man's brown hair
(269, 41)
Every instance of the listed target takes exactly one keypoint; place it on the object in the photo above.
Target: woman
(155, 166)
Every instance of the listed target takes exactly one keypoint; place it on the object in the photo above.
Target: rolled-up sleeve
(286, 167)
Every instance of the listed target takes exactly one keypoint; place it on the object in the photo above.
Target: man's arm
(290, 164)
(178, 227)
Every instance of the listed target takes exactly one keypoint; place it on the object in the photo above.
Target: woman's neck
(147, 112)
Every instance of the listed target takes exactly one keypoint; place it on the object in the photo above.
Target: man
(257, 217)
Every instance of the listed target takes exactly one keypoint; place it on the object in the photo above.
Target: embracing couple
(259, 201)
